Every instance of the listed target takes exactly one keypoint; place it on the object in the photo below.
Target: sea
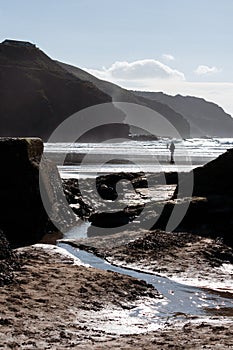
(92, 159)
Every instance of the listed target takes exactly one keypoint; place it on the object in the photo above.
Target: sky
(175, 46)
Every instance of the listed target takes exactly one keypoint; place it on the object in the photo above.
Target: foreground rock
(23, 218)
(99, 213)
(210, 210)
(114, 200)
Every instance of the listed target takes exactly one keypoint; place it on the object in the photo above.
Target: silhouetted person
(172, 150)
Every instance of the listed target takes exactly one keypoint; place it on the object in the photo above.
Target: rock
(106, 184)
(5, 249)
(61, 216)
(109, 220)
(107, 192)
(106, 187)
(75, 199)
(23, 217)
(215, 178)
(102, 216)
(8, 261)
(71, 189)
(210, 211)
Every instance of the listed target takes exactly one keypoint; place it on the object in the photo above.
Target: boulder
(109, 220)
(210, 211)
(23, 217)
(215, 177)
(106, 184)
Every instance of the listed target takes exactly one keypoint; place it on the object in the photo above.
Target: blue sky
(176, 46)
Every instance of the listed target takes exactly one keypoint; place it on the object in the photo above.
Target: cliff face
(205, 118)
(119, 94)
(36, 94)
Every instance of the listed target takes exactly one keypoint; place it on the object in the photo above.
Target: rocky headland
(191, 116)
(203, 116)
(37, 94)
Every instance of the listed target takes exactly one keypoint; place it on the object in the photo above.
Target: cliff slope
(37, 94)
(119, 94)
(205, 118)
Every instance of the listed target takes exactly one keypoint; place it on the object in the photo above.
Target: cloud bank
(148, 69)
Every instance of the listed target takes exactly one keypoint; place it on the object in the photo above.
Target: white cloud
(148, 69)
(168, 57)
(202, 70)
(152, 75)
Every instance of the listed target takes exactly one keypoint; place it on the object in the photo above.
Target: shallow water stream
(180, 301)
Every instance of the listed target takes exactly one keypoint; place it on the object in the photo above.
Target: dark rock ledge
(23, 218)
(210, 211)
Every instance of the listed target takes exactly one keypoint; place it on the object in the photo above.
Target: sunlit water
(180, 301)
(147, 156)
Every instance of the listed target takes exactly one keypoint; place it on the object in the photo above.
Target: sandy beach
(52, 299)
(57, 303)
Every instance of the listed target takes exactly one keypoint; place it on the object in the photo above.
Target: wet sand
(57, 303)
(54, 299)
(186, 258)
(46, 305)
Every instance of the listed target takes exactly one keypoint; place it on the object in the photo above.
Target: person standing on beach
(172, 150)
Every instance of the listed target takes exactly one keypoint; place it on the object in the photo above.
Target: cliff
(37, 94)
(205, 118)
(119, 94)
